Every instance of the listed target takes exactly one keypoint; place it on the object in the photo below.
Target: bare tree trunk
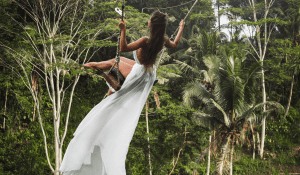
(214, 144)
(260, 52)
(6, 94)
(262, 57)
(223, 155)
(219, 16)
(290, 97)
(35, 86)
(5, 104)
(43, 13)
(156, 98)
(263, 129)
(231, 156)
(253, 137)
(33, 116)
(258, 142)
(35, 97)
(147, 108)
(173, 161)
(208, 159)
(54, 74)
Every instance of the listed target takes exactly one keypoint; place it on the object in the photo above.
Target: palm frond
(257, 118)
(249, 113)
(238, 95)
(212, 62)
(185, 68)
(206, 120)
(167, 72)
(164, 56)
(249, 85)
(195, 89)
(180, 54)
(225, 117)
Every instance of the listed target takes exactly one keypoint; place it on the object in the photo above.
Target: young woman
(102, 139)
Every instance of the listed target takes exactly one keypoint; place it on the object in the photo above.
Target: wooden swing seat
(112, 78)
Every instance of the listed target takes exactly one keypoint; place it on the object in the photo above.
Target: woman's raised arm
(132, 46)
(170, 44)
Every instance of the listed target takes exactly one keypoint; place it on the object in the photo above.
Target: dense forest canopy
(223, 104)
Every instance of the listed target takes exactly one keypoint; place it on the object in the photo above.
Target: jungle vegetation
(224, 104)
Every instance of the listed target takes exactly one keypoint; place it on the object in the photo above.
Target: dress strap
(135, 57)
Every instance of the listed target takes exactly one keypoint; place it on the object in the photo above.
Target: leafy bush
(22, 151)
(249, 166)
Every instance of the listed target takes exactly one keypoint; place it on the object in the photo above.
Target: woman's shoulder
(166, 37)
(142, 42)
(146, 38)
(167, 41)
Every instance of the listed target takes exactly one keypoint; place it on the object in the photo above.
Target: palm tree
(230, 102)
(204, 43)
(191, 60)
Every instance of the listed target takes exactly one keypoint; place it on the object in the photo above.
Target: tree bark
(55, 90)
(262, 57)
(214, 145)
(258, 142)
(260, 52)
(231, 156)
(253, 137)
(33, 116)
(263, 128)
(208, 159)
(219, 16)
(6, 93)
(223, 156)
(5, 104)
(290, 97)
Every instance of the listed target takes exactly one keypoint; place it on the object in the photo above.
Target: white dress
(102, 139)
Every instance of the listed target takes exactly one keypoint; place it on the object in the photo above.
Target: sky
(224, 20)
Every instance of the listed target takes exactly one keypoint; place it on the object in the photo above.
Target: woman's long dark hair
(157, 37)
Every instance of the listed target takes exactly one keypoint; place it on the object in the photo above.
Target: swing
(113, 77)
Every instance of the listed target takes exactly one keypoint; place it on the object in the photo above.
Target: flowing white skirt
(102, 139)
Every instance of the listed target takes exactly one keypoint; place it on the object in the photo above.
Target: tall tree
(263, 27)
(292, 50)
(56, 41)
(229, 104)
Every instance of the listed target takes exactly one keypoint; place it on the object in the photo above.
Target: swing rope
(117, 58)
(166, 7)
(172, 36)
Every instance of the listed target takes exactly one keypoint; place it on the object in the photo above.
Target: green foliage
(225, 68)
(22, 151)
(166, 126)
(246, 165)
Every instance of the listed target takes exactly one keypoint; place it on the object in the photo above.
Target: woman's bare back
(144, 47)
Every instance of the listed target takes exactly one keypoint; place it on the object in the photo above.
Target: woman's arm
(170, 44)
(132, 46)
